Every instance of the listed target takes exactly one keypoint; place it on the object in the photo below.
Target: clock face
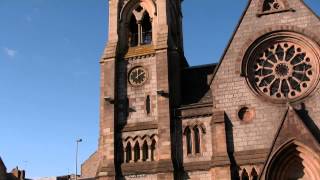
(138, 76)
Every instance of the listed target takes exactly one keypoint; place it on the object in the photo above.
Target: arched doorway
(294, 161)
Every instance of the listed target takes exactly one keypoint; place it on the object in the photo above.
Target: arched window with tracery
(136, 152)
(133, 32)
(188, 140)
(272, 5)
(145, 151)
(193, 135)
(128, 153)
(140, 27)
(282, 66)
(196, 137)
(146, 29)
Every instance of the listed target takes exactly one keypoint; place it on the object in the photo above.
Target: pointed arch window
(133, 32)
(140, 149)
(128, 153)
(136, 152)
(140, 27)
(188, 140)
(145, 150)
(254, 174)
(196, 139)
(244, 175)
(194, 135)
(153, 150)
(146, 29)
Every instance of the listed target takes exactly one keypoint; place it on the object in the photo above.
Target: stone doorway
(294, 161)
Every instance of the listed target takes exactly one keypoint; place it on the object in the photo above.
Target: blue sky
(49, 73)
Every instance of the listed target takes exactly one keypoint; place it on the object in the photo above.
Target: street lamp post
(78, 141)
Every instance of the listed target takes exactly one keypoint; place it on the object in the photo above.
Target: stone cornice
(147, 167)
(140, 52)
(250, 157)
(139, 126)
(194, 111)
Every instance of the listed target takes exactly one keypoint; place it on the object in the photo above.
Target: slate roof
(195, 84)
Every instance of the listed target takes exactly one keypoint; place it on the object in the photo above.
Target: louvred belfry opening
(140, 27)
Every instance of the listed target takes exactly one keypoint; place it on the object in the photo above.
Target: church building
(255, 115)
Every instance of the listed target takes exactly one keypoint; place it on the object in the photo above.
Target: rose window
(284, 70)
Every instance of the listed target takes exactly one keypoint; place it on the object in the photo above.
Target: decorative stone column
(132, 155)
(125, 156)
(141, 155)
(139, 33)
(149, 153)
(193, 148)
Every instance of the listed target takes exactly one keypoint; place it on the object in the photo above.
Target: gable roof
(195, 84)
(235, 32)
(2, 166)
(229, 42)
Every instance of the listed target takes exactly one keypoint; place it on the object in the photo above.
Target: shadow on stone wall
(234, 167)
(308, 121)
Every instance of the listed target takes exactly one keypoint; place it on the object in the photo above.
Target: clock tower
(255, 115)
(140, 81)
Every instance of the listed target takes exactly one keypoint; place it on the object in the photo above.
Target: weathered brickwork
(231, 91)
(137, 95)
(253, 115)
(199, 175)
(203, 125)
(90, 166)
(15, 174)
(141, 177)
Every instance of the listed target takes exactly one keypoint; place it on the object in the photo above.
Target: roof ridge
(201, 65)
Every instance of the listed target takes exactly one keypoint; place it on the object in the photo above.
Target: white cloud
(10, 52)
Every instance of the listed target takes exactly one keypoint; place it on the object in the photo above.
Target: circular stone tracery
(283, 68)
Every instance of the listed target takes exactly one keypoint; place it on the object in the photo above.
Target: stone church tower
(254, 115)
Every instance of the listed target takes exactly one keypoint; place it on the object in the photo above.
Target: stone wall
(90, 166)
(235, 135)
(231, 91)
(142, 177)
(204, 126)
(137, 95)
